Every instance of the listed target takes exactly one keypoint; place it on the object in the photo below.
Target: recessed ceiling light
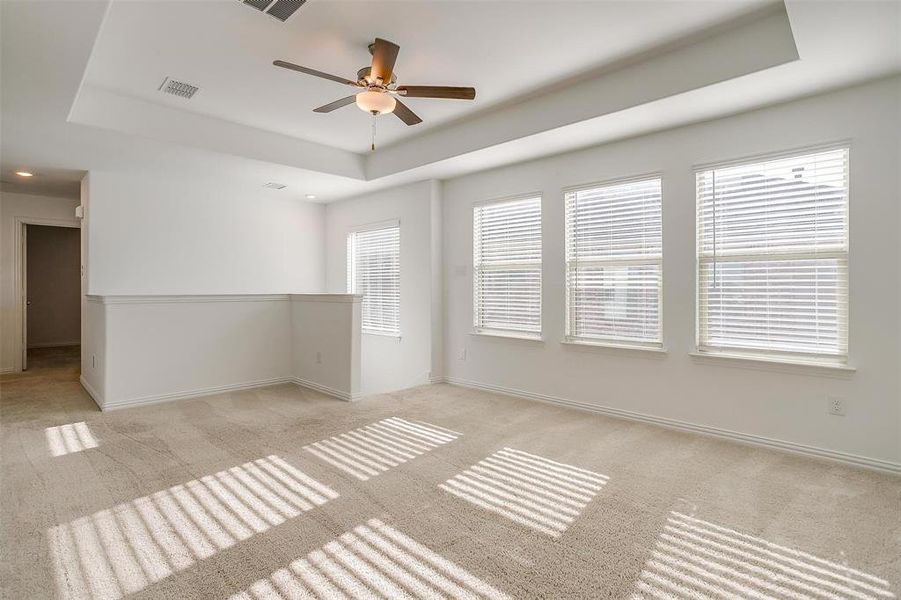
(24, 174)
(311, 196)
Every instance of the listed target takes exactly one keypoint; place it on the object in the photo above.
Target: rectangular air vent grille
(280, 9)
(275, 186)
(178, 88)
(258, 4)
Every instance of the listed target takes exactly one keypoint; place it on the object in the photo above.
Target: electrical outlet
(319, 358)
(835, 406)
(462, 353)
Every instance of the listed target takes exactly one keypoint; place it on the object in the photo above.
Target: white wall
(94, 349)
(151, 234)
(29, 207)
(189, 283)
(93, 318)
(146, 349)
(437, 279)
(389, 363)
(326, 343)
(157, 347)
(787, 405)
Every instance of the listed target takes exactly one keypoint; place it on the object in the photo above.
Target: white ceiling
(504, 49)
(251, 123)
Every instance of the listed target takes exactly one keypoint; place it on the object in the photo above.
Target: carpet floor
(432, 492)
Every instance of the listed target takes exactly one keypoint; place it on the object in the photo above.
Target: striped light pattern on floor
(373, 449)
(122, 550)
(373, 560)
(69, 438)
(531, 490)
(698, 559)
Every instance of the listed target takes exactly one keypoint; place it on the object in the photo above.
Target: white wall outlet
(462, 353)
(835, 406)
(319, 358)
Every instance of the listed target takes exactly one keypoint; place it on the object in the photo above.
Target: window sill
(657, 351)
(519, 337)
(767, 363)
(394, 336)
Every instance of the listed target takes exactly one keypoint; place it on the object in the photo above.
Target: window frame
(612, 342)
(477, 328)
(351, 260)
(771, 356)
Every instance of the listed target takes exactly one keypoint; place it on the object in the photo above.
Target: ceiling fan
(380, 93)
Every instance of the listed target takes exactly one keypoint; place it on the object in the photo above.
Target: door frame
(21, 343)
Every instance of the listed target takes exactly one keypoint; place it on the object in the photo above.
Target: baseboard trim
(219, 389)
(55, 344)
(744, 438)
(96, 397)
(6, 370)
(328, 391)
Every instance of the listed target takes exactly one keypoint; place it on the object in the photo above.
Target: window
(373, 270)
(507, 266)
(773, 257)
(614, 263)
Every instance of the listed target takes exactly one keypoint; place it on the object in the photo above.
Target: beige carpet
(432, 492)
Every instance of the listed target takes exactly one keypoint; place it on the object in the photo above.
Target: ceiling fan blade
(336, 104)
(314, 72)
(436, 91)
(384, 55)
(404, 113)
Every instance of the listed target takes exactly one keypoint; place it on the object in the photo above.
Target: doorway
(51, 312)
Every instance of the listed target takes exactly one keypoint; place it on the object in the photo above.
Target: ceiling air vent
(275, 186)
(258, 4)
(280, 9)
(178, 88)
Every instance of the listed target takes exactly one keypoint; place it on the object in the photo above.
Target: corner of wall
(93, 316)
(436, 240)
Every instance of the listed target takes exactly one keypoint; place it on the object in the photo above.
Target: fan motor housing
(363, 75)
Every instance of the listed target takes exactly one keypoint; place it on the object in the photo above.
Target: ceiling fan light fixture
(378, 103)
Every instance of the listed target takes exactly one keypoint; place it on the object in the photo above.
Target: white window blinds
(773, 256)
(614, 256)
(373, 270)
(507, 266)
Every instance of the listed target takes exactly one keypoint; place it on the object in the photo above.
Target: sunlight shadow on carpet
(539, 493)
(122, 550)
(374, 560)
(695, 558)
(376, 448)
(69, 438)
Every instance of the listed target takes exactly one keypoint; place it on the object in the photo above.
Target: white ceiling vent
(280, 9)
(275, 186)
(178, 88)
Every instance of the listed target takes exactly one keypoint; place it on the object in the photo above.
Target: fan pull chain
(372, 147)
